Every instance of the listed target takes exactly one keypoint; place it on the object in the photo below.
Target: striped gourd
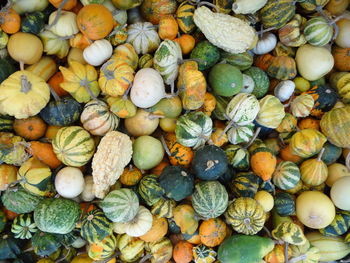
(311, 252)
(242, 109)
(277, 13)
(23, 226)
(97, 119)
(245, 184)
(284, 204)
(193, 129)
(163, 208)
(6, 123)
(45, 68)
(271, 112)
(311, 5)
(288, 124)
(313, 172)
(289, 232)
(203, 254)
(240, 134)
(286, 175)
(95, 226)
(338, 227)
(238, 157)
(220, 107)
(103, 249)
(330, 123)
(120, 205)
(318, 31)
(308, 142)
(150, 190)
(73, 146)
(245, 215)
(184, 17)
(45, 244)
(210, 199)
(242, 61)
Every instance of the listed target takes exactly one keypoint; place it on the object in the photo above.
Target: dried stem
(286, 245)
(26, 86)
(319, 156)
(58, 14)
(165, 146)
(54, 94)
(256, 134)
(297, 259)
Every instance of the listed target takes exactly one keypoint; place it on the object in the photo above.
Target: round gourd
(307, 142)
(314, 171)
(33, 23)
(95, 226)
(245, 184)
(8, 174)
(98, 52)
(336, 171)
(125, 5)
(182, 252)
(150, 190)
(210, 199)
(284, 204)
(122, 106)
(267, 42)
(6, 68)
(153, 10)
(284, 90)
(120, 205)
(314, 209)
(23, 226)
(225, 80)
(65, 24)
(265, 199)
(184, 17)
(286, 175)
(185, 218)
(212, 232)
(143, 123)
(202, 253)
(103, 249)
(240, 134)
(302, 105)
(344, 29)
(339, 192)
(69, 182)
(57, 215)
(31, 128)
(271, 112)
(338, 227)
(147, 152)
(318, 31)
(209, 162)
(179, 154)
(277, 13)
(143, 37)
(261, 81)
(45, 244)
(158, 230)
(238, 157)
(263, 162)
(243, 109)
(282, 68)
(207, 54)
(130, 176)
(17, 47)
(242, 61)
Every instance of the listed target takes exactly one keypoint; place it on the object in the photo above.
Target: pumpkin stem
(347, 161)
(58, 14)
(319, 156)
(66, 37)
(28, 250)
(26, 86)
(145, 258)
(228, 126)
(262, 31)
(165, 146)
(155, 116)
(286, 245)
(267, 231)
(21, 65)
(208, 4)
(85, 84)
(54, 94)
(319, 9)
(299, 258)
(256, 134)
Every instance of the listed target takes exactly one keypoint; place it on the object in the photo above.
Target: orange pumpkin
(212, 232)
(168, 27)
(182, 252)
(44, 152)
(8, 174)
(158, 230)
(287, 155)
(10, 21)
(277, 254)
(153, 10)
(160, 167)
(263, 61)
(263, 163)
(51, 131)
(179, 154)
(341, 58)
(95, 21)
(31, 128)
(309, 123)
(55, 82)
(130, 176)
(186, 42)
(185, 217)
(79, 41)
(67, 6)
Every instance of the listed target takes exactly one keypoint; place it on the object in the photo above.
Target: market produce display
(174, 131)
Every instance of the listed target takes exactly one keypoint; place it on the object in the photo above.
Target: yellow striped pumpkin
(307, 142)
(313, 172)
(271, 112)
(103, 249)
(45, 68)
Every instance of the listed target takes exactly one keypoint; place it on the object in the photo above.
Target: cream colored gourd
(29, 6)
(45, 68)
(284, 90)
(143, 123)
(54, 45)
(88, 193)
(248, 84)
(247, 6)
(69, 182)
(340, 193)
(98, 52)
(302, 105)
(65, 25)
(144, 37)
(313, 62)
(336, 171)
(147, 89)
(265, 44)
(342, 39)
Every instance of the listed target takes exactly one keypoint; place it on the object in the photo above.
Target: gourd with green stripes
(163, 208)
(73, 146)
(318, 31)
(23, 226)
(284, 204)
(95, 226)
(184, 17)
(339, 226)
(277, 13)
(120, 205)
(103, 249)
(242, 109)
(204, 254)
(238, 157)
(286, 175)
(6, 123)
(240, 134)
(245, 184)
(150, 190)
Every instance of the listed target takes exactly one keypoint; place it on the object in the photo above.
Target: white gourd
(69, 182)
(247, 6)
(284, 90)
(88, 193)
(66, 24)
(266, 43)
(144, 37)
(98, 52)
(248, 84)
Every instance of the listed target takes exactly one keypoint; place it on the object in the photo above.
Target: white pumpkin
(65, 25)
(313, 62)
(247, 6)
(248, 84)
(88, 193)
(29, 6)
(144, 37)
(69, 182)
(138, 226)
(340, 193)
(148, 88)
(266, 43)
(343, 39)
(98, 52)
(121, 16)
(284, 90)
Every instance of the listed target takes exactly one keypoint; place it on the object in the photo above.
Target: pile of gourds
(174, 131)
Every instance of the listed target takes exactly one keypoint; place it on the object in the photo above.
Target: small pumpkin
(54, 45)
(8, 174)
(309, 123)
(302, 105)
(98, 52)
(63, 24)
(184, 17)
(341, 58)
(168, 27)
(324, 97)
(13, 150)
(179, 154)
(186, 42)
(282, 67)
(130, 176)
(158, 230)
(10, 20)
(31, 128)
(184, 216)
(143, 37)
(182, 252)
(263, 162)
(306, 143)
(212, 232)
(314, 171)
(153, 10)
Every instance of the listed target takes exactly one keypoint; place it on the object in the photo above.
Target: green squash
(261, 81)
(9, 247)
(6, 68)
(163, 208)
(331, 153)
(167, 107)
(284, 204)
(245, 184)
(63, 112)
(325, 98)
(206, 53)
(6, 123)
(45, 244)
(147, 152)
(150, 190)
(33, 23)
(242, 248)
(23, 226)
(177, 182)
(57, 215)
(19, 200)
(238, 157)
(242, 61)
(225, 80)
(95, 226)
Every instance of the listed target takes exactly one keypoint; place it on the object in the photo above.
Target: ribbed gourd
(314, 171)
(271, 112)
(276, 13)
(286, 175)
(103, 249)
(307, 142)
(23, 226)
(318, 31)
(95, 226)
(150, 190)
(238, 157)
(339, 225)
(245, 184)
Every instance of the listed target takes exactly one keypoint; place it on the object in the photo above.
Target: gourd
(338, 227)
(80, 81)
(24, 6)
(182, 252)
(290, 233)
(246, 7)
(10, 20)
(339, 188)
(153, 10)
(314, 209)
(103, 249)
(266, 43)
(56, 215)
(179, 154)
(291, 34)
(318, 31)
(263, 162)
(125, 5)
(95, 226)
(265, 199)
(307, 142)
(23, 226)
(186, 42)
(150, 190)
(131, 176)
(277, 13)
(31, 128)
(245, 184)
(63, 24)
(53, 44)
(271, 112)
(212, 232)
(73, 139)
(143, 37)
(185, 218)
(313, 62)
(120, 205)
(17, 47)
(184, 17)
(167, 107)
(45, 244)
(98, 52)
(240, 134)
(30, 95)
(282, 67)
(238, 157)
(131, 248)
(286, 175)
(66, 6)
(69, 182)
(163, 208)
(261, 81)
(95, 21)
(314, 171)
(8, 174)
(88, 193)
(97, 119)
(242, 61)
(341, 58)
(45, 68)
(344, 27)
(284, 204)
(336, 171)
(302, 105)
(206, 53)
(203, 254)
(148, 152)
(168, 27)
(284, 90)
(108, 162)
(148, 88)
(6, 68)
(158, 230)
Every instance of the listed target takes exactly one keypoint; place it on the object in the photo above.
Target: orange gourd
(160, 167)
(51, 131)
(55, 82)
(182, 252)
(341, 58)
(158, 230)
(263, 162)
(263, 61)
(153, 10)
(9, 214)
(44, 152)
(277, 254)
(79, 41)
(31, 128)
(179, 154)
(70, 4)
(8, 174)
(10, 21)
(130, 176)
(168, 27)
(186, 42)
(212, 232)
(309, 123)
(209, 104)
(185, 217)
(337, 7)
(287, 155)
(95, 21)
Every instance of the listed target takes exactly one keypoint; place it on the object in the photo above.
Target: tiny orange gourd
(212, 232)
(44, 152)
(309, 123)
(263, 162)
(182, 252)
(31, 128)
(69, 5)
(55, 82)
(130, 176)
(186, 42)
(158, 230)
(287, 155)
(168, 27)
(10, 21)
